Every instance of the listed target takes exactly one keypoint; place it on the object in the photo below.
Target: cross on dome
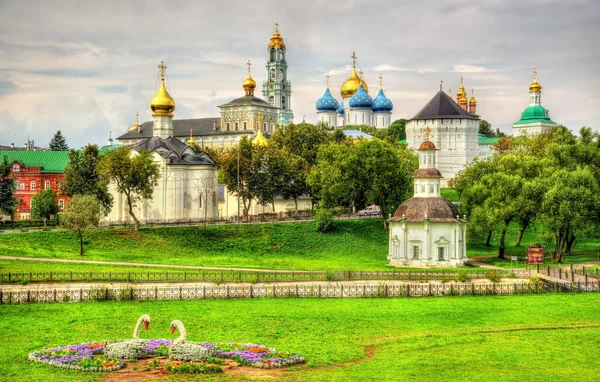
(162, 68)
(353, 59)
(380, 81)
(249, 65)
(327, 80)
(427, 132)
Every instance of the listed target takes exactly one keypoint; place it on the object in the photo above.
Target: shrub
(534, 279)
(324, 220)
(189, 352)
(126, 350)
(330, 276)
(445, 279)
(494, 276)
(101, 294)
(462, 277)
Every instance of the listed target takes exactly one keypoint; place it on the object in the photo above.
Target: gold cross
(353, 59)
(162, 68)
(249, 64)
(380, 81)
(327, 75)
(534, 74)
(427, 132)
(276, 27)
(137, 122)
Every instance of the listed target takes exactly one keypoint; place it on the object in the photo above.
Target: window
(61, 204)
(423, 188)
(272, 101)
(431, 188)
(283, 102)
(415, 252)
(214, 199)
(32, 186)
(245, 125)
(281, 74)
(441, 253)
(200, 201)
(272, 75)
(21, 186)
(46, 185)
(16, 167)
(236, 126)
(227, 126)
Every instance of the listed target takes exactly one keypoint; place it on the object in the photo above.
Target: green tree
(135, 175)
(237, 171)
(269, 168)
(58, 142)
(81, 213)
(44, 205)
(82, 178)
(8, 186)
(397, 129)
(485, 128)
(301, 139)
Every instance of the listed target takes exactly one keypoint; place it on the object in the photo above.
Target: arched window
(271, 100)
(272, 55)
(283, 102)
(282, 75)
(272, 75)
(282, 55)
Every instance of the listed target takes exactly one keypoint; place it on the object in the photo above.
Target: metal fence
(260, 276)
(381, 290)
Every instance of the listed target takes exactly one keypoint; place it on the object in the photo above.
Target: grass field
(512, 338)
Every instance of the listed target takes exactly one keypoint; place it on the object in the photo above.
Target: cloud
(462, 68)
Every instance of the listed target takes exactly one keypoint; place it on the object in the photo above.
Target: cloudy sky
(86, 67)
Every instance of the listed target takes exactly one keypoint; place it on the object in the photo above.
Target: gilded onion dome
(249, 84)
(162, 103)
(461, 93)
(361, 99)
(472, 101)
(327, 102)
(535, 86)
(381, 103)
(259, 139)
(350, 86)
(276, 39)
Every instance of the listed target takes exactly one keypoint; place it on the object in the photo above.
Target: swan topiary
(186, 351)
(132, 349)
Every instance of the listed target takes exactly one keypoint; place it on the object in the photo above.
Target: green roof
(534, 113)
(485, 140)
(104, 149)
(49, 161)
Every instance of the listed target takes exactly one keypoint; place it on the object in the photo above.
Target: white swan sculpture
(131, 349)
(186, 351)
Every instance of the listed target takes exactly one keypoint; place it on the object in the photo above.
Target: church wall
(330, 118)
(426, 239)
(359, 117)
(228, 206)
(381, 120)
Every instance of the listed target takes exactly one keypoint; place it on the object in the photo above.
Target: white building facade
(426, 230)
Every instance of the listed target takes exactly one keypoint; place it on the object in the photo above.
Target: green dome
(534, 113)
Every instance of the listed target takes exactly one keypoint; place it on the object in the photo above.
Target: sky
(87, 67)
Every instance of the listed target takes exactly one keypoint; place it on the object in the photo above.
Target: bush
(324, 220)
(134, 349)
(101, 294)
(494, 276)
(462, 277)
(189, 352)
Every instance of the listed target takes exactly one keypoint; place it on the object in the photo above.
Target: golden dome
(276, 39)
(427, 145)
(463, 100)
(249, 84)
(535, 86)
(259, 139)
(352, 83)
(473, 101)
(162, 103)
(461, 91)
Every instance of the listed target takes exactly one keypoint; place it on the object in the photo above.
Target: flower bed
(253, 355)
(189, 368)
(83, 357)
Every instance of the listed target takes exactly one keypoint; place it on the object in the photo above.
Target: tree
(206, 189)
(133, 174)
(8, 186)
(302, 139)
(82, 212)
(82, 178)
(269, 170)
(43, 205)
(237, 170)
(58, 142)
(398, 129)
(485, 128)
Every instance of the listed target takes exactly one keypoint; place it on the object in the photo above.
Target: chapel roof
(173, 150)
(437, 210)
(442, 106)
(181, 128)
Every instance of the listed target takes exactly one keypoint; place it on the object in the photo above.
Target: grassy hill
(355, 244)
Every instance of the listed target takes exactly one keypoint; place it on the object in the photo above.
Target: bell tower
(277, 89)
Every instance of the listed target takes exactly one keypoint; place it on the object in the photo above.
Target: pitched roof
(442, 106)
(49, 161)
(172, 149)
(248, 101)
(181, 128)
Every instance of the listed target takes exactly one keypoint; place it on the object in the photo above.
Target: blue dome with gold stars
(361, 99)
(341, 109)
(382, 103)
(327, 102)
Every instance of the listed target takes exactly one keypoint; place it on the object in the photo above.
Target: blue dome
(341, 109)
(361, 98)
(382, 103)
(327, 102)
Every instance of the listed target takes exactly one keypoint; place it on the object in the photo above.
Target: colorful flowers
(253, 355)
(85, 357)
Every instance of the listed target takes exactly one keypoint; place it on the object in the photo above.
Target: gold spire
(461, 91)
(191, 140)
(535, 86)
(472, 101)
(162, 103)
(259, 139)
(249, 84)
(276, 39)
(137, 122)
(352, 83)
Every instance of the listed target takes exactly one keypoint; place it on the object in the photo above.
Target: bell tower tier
(277, 89)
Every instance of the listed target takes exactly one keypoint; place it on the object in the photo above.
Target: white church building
(426, 230)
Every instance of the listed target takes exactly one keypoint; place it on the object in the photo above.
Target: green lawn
(511, 338)
(355, 244)
(22, 266)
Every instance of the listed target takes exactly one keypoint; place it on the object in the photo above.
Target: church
(187, 186)
(426, 230)
(242, 116)
(357, 107)
(535, 119)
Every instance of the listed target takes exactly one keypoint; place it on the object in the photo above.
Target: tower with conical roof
(162, 106)
(277, 89)
(535, 118)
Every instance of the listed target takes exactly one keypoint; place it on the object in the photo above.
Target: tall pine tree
(8, 186)
(58, 142)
